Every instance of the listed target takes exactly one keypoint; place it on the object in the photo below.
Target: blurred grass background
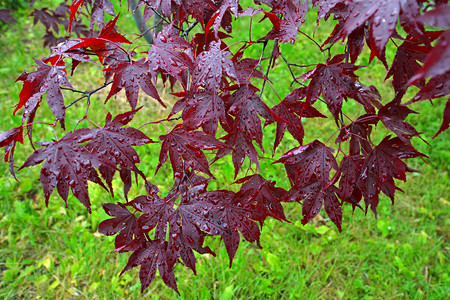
(56, 252)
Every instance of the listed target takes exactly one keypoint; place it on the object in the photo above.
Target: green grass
(56, 252)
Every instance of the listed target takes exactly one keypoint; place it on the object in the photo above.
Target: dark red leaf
(35, 84)
(381, 166)
(168, 53)
(185, 150)
(304, 161)
(131, 76)
(291, 111)
(69, 163)
(211, 66)
(5, 16)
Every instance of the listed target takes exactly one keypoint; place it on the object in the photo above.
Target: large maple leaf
(168, 53)
(67, 164)
(98, 44)
(123, 221)
(314, 194)
(359, 134)
(334, 81)
(225, 5)
(294, 15)
(98, 13)
(185, 150)
(262, 197)
(381, 166)
(152, 256)
(113, 143)
(211, 66)
(393, 116)
(304, 161)
(408, 61)
(46, 79)
(240, 145)
(291, 111)
(206, 109)
(246, 105)
(131, 76)
(158, 212)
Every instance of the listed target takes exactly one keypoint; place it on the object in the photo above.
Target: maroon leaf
(113, 145)
(123, 221)
(35, 84)
(185, 150)
(315, 194)
(131, 76)
(436, 87)
(285, 30)
(350, 171)
(67, 164)
(335, 81)
(381, 166)
(153, 255)
(98, 13)
(407, 62)
(304, 161)
(383, 16)
(438, 17)
(291, 111)
(211, 66)
(8, 139)
(437, 61)
(107, 36)
(168, 53)
(393, 115)
(359, 134)
(245, 105)
(5, 16)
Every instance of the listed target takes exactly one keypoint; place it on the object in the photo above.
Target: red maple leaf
(206, 108)
(35, 84)
(304, 161)
(211, 65)
(123, 221)
(152, 255)
(381, 166)
(438, 60)
(168, 54)
(314, 194)
(334, 81)
(98, 44)
(185, 150)
(291, 111)
(131, 76)
(113, 143)
(67, 164)
(383, 15)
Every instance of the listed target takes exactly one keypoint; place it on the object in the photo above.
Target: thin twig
(275, 44)
(290, 70)
(88, 94)
(160, 121)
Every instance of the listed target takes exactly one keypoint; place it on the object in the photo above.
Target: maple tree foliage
(221, 112)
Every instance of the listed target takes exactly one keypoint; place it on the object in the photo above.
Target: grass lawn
(56, 252)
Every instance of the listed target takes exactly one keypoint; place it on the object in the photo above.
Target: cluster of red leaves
(220, 95)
